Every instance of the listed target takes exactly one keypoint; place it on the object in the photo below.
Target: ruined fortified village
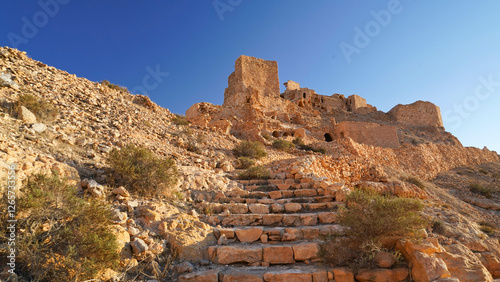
(265, 187)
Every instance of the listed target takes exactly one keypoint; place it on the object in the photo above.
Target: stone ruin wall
(251, 75)
(253, 105)
(419, 113)
(355, 102)
(367, 133)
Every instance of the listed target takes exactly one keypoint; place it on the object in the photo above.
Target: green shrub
(319, 150)
(255, 172)
(179, 120)
(43, 110)
(251, 149)
(63, 237)
(367, 218)
(373, 216)
(283, 145)
(414, 180)
(267, 137)
(115, 86)
(478, 188)
(298, 141)
(245, 162)
(142, 172)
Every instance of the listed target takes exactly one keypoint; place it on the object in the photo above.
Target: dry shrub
(62, 237)
(367, 218)
(115, 86)
(372, 216)
(43, 110)
(245, 162)
(255, 172)
(487, 227)
(414, 180)
(283, 145)
(480, 189)
(142, 172)
(179, 120)
(251, 149)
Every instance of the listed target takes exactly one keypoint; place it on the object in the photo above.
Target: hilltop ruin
(254, 107)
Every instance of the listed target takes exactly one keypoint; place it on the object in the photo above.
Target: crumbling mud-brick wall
(367, 133)
(251, 75)
(355, 102)
(291, 85)
(420, 113)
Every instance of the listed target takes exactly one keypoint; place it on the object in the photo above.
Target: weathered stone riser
(284, 206)
(277, 234)
(279, 193)
(276, 220)
(264, 254)
(299, 273)
(305, 273)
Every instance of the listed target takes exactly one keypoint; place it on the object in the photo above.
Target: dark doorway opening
(328, 137)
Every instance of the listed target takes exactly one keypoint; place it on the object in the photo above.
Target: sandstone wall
(368, 133)
(355, 102)
(251, 74)
(308, 98)
(291, 85)
(420, 113)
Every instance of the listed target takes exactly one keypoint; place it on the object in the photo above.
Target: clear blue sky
(447, 52)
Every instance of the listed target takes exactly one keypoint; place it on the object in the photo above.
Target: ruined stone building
(254, 107)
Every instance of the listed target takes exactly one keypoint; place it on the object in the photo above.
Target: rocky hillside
(227, 218)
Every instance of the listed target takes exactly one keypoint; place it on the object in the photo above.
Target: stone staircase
(271, 230)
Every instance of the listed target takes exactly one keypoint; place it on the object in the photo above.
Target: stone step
(306, 273)
(281, 186)
(273, 235)
(294, 219)
(258, 254)
(244, 194)
(298, 272)
(274, 206)
(253, 181)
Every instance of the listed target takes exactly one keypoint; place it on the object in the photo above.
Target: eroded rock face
(463, 264)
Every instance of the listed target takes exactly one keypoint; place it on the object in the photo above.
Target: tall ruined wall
(368, 133)
(355, 102)
(420, 113)
(251, 75)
